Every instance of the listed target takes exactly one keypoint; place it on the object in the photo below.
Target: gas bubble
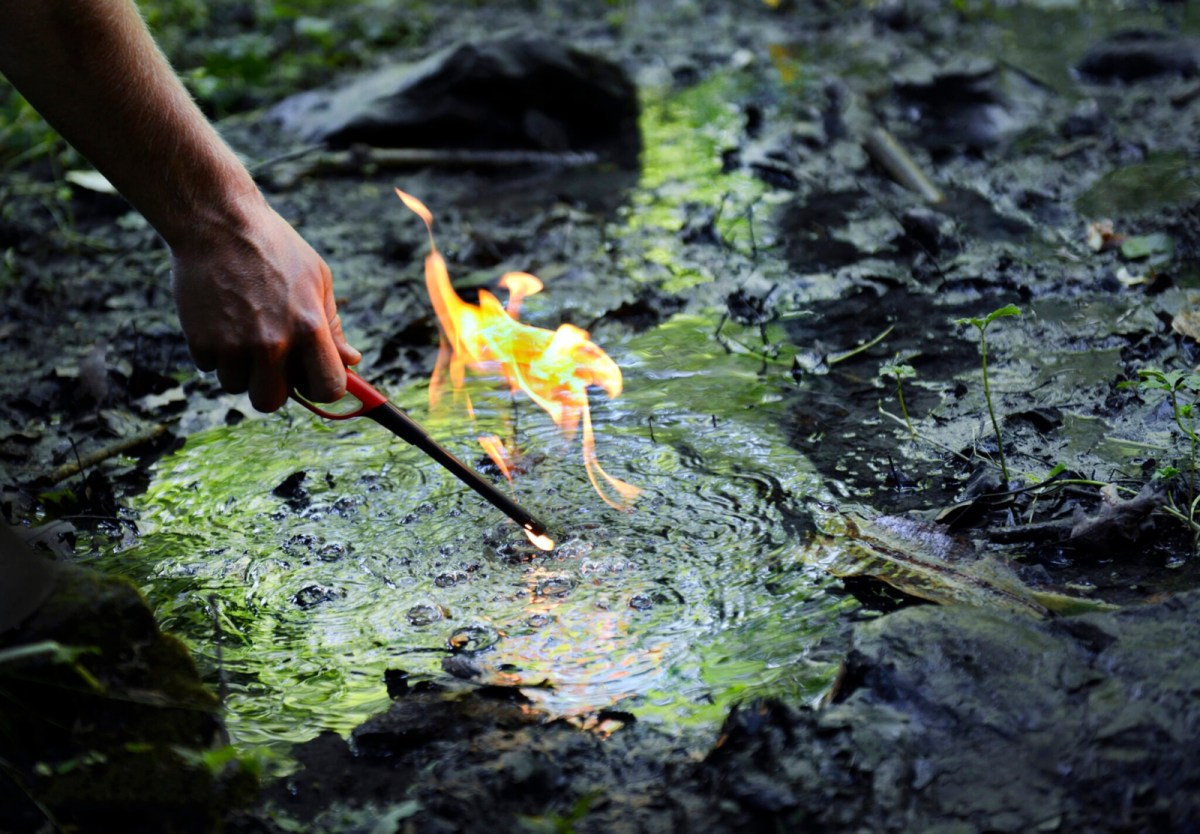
(473, 638)
(423, 614)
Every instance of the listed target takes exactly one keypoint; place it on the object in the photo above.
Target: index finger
(322, 372)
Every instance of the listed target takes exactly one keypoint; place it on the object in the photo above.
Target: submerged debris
(922, 560)
(1140, 54)
(1118, 522)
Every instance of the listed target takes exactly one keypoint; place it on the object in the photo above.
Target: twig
(360, 158)
(1185, 97)
(834, 358)
(117, 447)
(886, 150)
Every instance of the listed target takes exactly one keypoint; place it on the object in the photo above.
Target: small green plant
(561, 823)
(899, 369)
(981, 324)
(1183, 391)
(13, 659)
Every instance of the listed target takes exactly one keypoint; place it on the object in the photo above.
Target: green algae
(302, 559)
(376, 559)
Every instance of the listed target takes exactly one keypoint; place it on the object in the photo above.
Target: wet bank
(943, 719)
(756, 276)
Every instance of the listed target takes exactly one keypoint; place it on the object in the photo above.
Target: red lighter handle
(358, 388)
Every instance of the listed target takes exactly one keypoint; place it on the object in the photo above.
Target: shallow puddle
(301, 597)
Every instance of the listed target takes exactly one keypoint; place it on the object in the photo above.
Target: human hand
(256, 304)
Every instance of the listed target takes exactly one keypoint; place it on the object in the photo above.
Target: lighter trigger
(360, 398)
(321, 410)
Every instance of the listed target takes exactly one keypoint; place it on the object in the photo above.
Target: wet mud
(1048, 162)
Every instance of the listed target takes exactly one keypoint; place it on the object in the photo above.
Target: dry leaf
(1101, 237)
(1187, 324)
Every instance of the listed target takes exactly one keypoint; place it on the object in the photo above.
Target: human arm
(255, 301)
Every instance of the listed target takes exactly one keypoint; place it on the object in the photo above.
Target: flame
(540, 540)
(553, 368)
(496, 450)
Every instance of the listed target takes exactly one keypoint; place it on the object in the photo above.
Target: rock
(105, 721)
(418, 722)
(966, 104)
(1135, 55)
(946, 718)
(992, 721)
(926, 229)
(516, 92)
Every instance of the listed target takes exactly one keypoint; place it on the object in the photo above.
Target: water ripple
(378, 560)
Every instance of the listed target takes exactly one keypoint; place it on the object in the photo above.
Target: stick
(361, 157)
(117, 447)
(886, 150)
(834, 358)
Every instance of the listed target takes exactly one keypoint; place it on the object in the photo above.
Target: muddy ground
(1028, 126)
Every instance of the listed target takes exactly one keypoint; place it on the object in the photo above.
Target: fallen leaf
(1146, 246)
(1187, 323)
(1128, 279)
(1116, 524)
(1101, 237)
(922, 560)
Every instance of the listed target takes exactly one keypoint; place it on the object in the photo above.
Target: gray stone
(515, 92)
(1012, 724)
(1137, 55)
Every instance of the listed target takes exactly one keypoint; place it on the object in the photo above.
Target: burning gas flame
(554, 368)
(540, 540)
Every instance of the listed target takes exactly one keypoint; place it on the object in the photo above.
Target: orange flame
(554, 368)
(495, 449)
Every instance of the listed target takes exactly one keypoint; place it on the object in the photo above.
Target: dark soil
(947, 718)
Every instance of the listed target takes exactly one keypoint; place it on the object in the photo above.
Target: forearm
(256, 302)
(93, 71)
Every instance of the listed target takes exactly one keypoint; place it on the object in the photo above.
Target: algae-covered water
(302, 559)
(378, 560)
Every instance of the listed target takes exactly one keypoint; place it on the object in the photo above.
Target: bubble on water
(555, 586)
(425, 613)
(451, 578)
(332, 552)
(345, 507)
(301, 541)
(641, 602)
(596, 566)
(473, 638)
(574, 549)
(312, 595)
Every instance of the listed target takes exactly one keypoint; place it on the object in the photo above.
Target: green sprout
(1177, 385)
(981, 324)
(899, 369)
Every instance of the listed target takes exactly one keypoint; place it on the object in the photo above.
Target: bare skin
(255, 301)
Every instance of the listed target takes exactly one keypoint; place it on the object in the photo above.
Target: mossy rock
(106, 721)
